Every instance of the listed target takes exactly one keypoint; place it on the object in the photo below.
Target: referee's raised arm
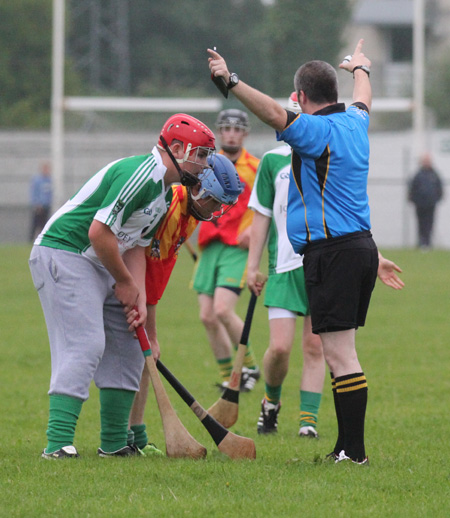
(359, 65)
(262, 105)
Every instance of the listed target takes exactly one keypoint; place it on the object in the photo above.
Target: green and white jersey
(269, 197)
(128, 195)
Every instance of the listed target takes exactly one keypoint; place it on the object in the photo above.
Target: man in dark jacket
(425, 191)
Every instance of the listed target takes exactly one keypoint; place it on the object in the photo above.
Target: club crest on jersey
(178, 245)
(148, 211)
(155, 250)
(118, 207)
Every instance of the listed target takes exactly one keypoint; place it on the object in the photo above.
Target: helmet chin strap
(187, 179)
(192, 209)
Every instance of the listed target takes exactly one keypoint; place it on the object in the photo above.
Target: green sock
(130, 437)
(225, 368)
(249, 358)
(115, 406)
(63, 417)
(140, 435)
(273, 394)
(309, 407)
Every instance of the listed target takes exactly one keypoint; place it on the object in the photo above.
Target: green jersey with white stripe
(128, 195)
(269, 197)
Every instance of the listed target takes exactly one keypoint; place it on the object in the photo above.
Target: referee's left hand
(357, 59)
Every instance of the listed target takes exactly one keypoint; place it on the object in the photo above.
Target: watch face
(232, 81)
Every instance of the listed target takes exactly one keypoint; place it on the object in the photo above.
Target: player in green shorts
(220, 273)
(222, 265)
(285, 295)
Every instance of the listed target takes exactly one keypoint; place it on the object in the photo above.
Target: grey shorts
(87, 328)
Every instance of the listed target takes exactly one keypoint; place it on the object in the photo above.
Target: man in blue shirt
(328, 219)
(40, 200)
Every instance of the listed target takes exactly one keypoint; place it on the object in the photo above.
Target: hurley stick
(179, 442)
(235, 446)
(226, 408)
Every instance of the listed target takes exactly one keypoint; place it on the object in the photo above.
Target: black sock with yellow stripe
(340, 440)
(351, 391)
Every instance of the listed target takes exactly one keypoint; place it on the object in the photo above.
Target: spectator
(425, 191)
(40, 199)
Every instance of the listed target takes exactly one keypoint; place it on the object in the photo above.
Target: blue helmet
(221, 181)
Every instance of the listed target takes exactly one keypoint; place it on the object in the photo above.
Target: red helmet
(189, 130)
(293, 104)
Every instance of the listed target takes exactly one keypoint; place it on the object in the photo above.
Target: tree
(263, 43)
(25, 74)
(297, 33)
(25, 63)
(169, 41)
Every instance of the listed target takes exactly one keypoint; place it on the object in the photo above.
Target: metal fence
(392, 164)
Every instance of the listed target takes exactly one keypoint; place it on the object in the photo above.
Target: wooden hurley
(179, 442)
(226, 408)
(235, 446)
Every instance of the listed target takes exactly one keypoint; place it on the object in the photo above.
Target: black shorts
(340, 275)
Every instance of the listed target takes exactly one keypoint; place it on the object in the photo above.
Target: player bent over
(88, 266)
(216, 194)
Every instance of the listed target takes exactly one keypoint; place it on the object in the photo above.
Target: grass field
(405, 353)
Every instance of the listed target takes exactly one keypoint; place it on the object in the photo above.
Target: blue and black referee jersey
(329, 170)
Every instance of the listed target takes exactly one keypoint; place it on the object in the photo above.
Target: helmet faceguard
(197, 139)
(220, 184)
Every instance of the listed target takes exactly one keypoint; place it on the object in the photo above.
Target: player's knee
(312, 347)
(280, 349)
(208, 318)
(223, 312)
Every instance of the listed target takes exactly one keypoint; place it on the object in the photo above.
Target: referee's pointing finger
(359, 47)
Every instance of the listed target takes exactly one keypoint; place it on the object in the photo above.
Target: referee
(328, 219)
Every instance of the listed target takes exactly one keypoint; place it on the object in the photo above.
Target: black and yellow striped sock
(341, 434)
(352, 391)
(225, 368)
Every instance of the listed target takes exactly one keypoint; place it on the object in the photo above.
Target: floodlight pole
(418, 77)
(57, 113)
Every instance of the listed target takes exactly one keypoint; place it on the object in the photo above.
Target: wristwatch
(232, 81)
(362, 67)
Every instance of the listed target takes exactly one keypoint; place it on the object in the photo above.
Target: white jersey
(128, 195)
(269, 197)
